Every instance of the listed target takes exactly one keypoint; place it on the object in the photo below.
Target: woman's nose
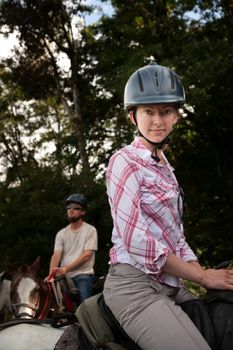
(156, 118)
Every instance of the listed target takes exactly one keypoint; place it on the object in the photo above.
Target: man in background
(74, 248)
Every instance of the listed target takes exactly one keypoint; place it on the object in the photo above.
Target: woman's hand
(217, 279)
(192, 271)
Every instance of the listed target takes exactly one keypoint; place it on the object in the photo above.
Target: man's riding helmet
(153, 84)
(77, 198)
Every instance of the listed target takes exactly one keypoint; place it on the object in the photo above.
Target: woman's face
(155, 122)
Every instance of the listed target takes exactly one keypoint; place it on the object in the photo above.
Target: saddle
(198, 313)
(66, 294)
(219, 304)
(99, 329)
(68, 287)
(212, 315)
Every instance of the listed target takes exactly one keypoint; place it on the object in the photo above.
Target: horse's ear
(5, 276)
(11, 269)
(36, 264)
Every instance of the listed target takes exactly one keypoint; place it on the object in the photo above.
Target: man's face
(75, 212)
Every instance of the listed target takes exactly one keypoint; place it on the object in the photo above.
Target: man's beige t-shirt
(73, 243)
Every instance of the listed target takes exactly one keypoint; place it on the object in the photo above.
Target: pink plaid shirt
(146, 206)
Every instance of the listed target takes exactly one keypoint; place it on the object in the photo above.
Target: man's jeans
(84, 284)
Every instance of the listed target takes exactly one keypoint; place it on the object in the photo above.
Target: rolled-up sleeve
(186, 252)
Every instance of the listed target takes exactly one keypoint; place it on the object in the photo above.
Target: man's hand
(56, 271)
(59, 271)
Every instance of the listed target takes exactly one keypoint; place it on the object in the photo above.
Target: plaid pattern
(146, 207)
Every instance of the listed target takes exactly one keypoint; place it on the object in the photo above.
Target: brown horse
(30, 296)
(36, 306)
(33, 298)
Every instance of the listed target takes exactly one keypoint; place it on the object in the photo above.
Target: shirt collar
(145, 154)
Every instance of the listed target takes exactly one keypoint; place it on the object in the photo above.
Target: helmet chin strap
(157, 145)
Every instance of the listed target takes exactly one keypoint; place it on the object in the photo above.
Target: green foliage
(32, 214)
(196, 289)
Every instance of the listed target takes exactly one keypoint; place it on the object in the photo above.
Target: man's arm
(85, 256)
(55, 261)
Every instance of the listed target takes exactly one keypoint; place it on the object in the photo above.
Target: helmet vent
(172, 81)
(140, 82)
(156, 79)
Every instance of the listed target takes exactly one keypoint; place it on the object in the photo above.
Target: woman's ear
(177, 117)
(176, 120)
(132, 117)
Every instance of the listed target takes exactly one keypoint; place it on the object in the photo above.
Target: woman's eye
(167, 111)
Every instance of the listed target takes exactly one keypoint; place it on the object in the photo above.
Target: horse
(30, 336)
(93, 324)
(4, 290)
(212, 314)
(4, 296)
(39, 310)
(33, 298)
(30, 297)
(5, 285)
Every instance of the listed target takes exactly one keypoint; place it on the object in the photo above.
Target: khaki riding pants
(147, 311)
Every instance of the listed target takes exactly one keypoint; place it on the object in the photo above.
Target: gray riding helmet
(153, 84)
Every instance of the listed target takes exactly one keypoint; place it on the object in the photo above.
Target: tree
(36, 95)
(45, 32)
(27, 130)
(200, 51)
(206, 174)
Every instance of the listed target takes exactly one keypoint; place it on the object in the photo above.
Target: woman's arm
(209, 278)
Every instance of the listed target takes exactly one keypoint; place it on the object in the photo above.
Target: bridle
(34, 307)
(24, 314)
(37, 313)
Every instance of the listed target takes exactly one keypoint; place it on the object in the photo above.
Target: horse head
(28, 291)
